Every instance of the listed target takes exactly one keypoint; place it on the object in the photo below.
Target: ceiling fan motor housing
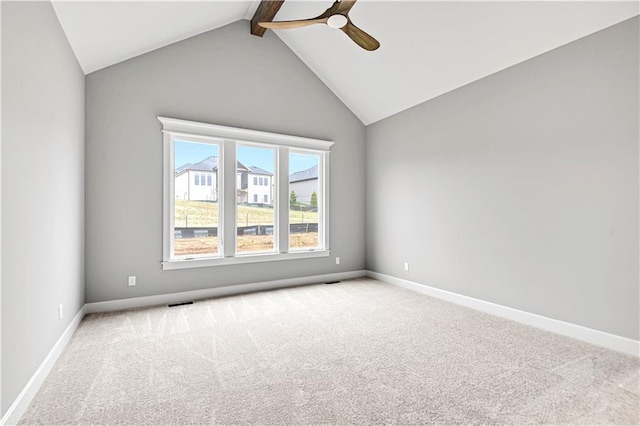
(337, 21)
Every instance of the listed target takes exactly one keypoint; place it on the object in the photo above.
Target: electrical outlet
(132, 280)
(337, 260)
(59, 312)
(406, 266)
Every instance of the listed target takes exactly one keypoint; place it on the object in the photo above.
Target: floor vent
(190, 302)
(332, 282)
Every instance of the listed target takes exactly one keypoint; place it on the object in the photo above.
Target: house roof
(427, 48)
(207, 165)
(258, 171)
(310, 173)
(183, 168)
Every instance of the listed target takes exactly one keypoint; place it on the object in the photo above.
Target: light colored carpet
(358, 352)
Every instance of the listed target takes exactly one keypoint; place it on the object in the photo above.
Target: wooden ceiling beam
(265, 12)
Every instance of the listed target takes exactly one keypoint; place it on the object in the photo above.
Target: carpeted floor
(350, 353)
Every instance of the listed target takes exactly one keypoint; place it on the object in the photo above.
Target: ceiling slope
(103, 33)
(427, 47)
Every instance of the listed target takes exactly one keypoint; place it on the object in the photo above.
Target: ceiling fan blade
(344, 6)
(285, 25)
(361, 38)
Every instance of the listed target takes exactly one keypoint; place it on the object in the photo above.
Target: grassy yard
(203, 214)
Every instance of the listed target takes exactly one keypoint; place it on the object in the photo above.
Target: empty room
(319, 212)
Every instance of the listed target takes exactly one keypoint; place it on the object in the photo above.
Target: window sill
(241, 259)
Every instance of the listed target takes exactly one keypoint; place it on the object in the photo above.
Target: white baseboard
(589, 335)
(162, 299)
(20, 405)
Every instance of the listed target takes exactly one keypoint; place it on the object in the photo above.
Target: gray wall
(42, 189)
(225, 77)
(521, 188)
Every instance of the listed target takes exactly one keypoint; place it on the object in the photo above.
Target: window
(193, 217)
(305, 175)
(213, 222)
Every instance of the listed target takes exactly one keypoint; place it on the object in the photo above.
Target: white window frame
(169, 190)
(256, 199)
(227, 137)
(321, 194)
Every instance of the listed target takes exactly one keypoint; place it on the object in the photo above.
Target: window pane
(303, 201)
(195, 230)
(255, 222)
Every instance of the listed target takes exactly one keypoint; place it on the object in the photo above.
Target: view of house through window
(304, 192)
(195, 215)
(255, 213)
(241, 196)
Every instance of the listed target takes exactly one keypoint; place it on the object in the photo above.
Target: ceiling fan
(337, 16)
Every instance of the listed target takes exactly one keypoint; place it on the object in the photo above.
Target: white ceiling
(427, 48)
(103, 33)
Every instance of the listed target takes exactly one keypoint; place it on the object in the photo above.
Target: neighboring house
(199, 182)
(260, 185)
(304, 183)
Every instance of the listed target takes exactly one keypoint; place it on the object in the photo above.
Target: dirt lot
(204, 245)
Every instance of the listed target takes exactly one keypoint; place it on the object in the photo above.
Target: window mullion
(282, 197)
(168, 198)
(228, 225)
(323, 201)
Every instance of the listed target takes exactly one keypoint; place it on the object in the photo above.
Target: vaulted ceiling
(427, 47)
